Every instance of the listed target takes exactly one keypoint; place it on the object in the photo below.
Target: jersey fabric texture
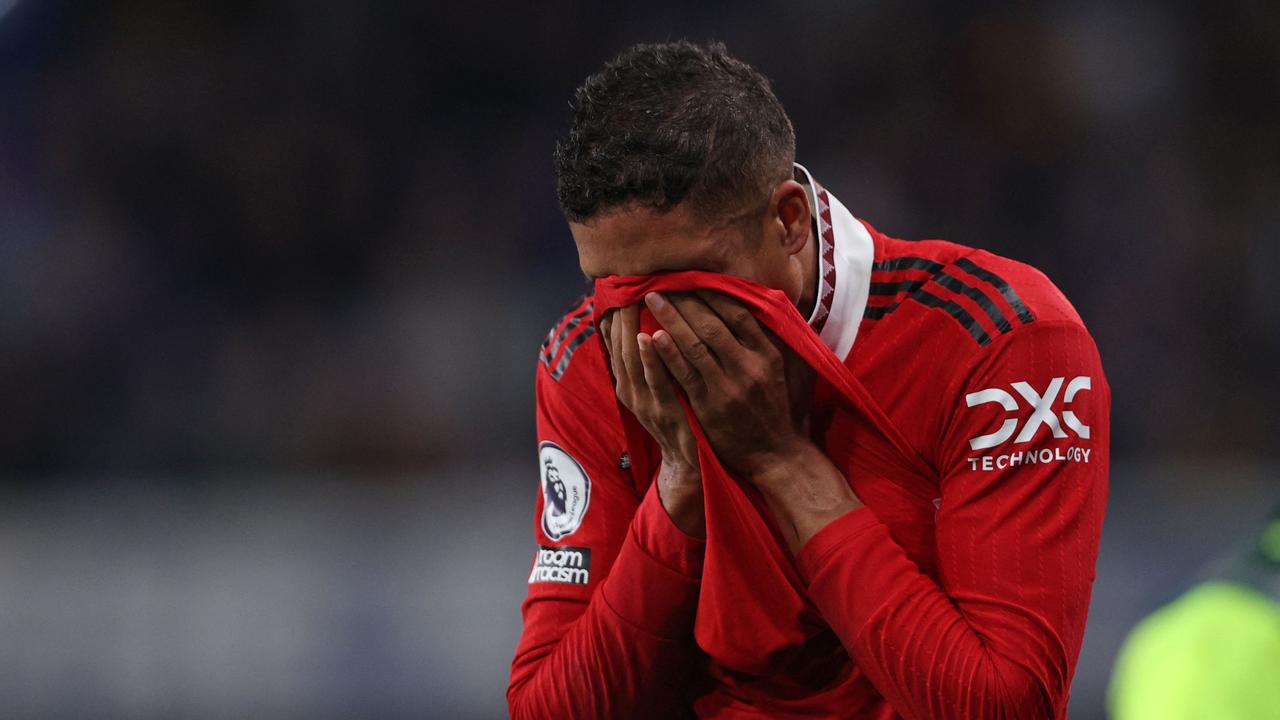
(963, 399)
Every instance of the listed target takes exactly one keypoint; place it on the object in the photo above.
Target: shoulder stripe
(893, 288)
(999, 284)
(567, 327)
(546, 343)
(984, 302)
(907, 263)
(915, 290)
(568, 353)
(877, 312)
(960, 314)
(566, 336)
(928, 299)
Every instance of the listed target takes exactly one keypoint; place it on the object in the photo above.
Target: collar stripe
(826, 262)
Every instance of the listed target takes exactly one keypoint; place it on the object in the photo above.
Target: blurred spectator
(1214, 653)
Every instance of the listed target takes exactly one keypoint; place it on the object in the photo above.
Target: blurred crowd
(297, 235)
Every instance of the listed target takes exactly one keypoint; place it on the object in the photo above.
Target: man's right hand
(647, 389)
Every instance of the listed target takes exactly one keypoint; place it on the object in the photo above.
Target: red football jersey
(961, 589)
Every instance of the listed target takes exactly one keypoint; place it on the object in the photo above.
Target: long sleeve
(623, 653)
(614, 584)
(1024, 482)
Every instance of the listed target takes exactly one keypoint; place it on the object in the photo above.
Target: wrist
(806, 492)
(680, 490)
(776, 471)
(677, 468)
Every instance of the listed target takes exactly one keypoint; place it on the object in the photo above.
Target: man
(1214, 652)
(929, 555)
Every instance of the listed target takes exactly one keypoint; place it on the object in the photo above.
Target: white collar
(845, 254)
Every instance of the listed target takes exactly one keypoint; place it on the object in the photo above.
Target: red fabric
(619, 646)
(961, 590)
(749, 577)
(638, 639)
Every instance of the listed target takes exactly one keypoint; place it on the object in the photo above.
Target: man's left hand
(751, 395)
(748, 390)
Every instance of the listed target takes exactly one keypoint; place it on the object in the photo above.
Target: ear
(789, 206)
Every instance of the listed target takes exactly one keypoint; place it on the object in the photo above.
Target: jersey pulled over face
(986, 372)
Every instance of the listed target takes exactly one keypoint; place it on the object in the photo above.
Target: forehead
(642, 241)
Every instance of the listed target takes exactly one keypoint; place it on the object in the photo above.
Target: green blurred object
(1212, 654)
(1270, 542)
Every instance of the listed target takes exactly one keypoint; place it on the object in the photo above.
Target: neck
(809, 267)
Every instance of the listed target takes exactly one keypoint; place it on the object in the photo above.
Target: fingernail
(655, 301)
(662, 339)
(643, 341)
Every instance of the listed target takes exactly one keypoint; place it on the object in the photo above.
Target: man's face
(642, 241)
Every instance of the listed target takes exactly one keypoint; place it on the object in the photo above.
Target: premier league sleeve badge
(566, 490)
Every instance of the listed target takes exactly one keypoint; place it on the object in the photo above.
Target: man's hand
(646, 388)
(752, 395)
(747, 389)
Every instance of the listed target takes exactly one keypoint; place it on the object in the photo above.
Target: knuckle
(774, 366)
(699, 350)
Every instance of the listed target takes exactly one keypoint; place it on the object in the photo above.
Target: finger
(708, 326)
(679, 368)
(695, 349)
(656, 375)
(605, 336)
(738, 319)
(615, 354)
(629, 325)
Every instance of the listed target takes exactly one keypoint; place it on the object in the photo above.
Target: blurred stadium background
(273, 275)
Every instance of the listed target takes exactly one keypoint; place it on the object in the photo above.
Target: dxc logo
(1042, 411)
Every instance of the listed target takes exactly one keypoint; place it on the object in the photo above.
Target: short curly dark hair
(667, 123)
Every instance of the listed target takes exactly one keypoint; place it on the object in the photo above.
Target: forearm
(628, 652)
(679, 486)
(806, 492)
(609, 666)
(929, 659)
(926, 656)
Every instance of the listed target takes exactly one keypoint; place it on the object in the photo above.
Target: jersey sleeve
(613, 584)
(1023, 466)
